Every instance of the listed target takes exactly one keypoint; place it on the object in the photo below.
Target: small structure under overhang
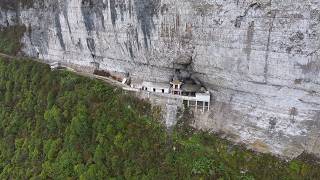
(201, 101)
(156, 87)
(190, 89)
(176, 87)
(56, 66)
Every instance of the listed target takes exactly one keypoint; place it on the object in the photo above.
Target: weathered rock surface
(259, 58)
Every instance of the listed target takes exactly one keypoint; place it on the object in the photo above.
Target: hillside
(57, 125)
(258, 58)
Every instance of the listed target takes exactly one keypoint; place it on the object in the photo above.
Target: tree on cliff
(56, 125)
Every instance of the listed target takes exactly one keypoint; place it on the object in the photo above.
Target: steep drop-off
(258, 58)
(58, 125)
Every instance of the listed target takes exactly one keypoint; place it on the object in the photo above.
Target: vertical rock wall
(259, 58)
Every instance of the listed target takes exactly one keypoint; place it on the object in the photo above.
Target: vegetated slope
(10, 39)
(57, 125)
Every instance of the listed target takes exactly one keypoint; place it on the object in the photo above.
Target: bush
(57, 125)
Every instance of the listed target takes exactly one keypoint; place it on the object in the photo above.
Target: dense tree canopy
(57, 125)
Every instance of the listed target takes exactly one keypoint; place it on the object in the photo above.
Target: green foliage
(53, 118)
(10, 39)
(57, 125)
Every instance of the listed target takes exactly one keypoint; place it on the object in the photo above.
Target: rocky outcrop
(259, 58)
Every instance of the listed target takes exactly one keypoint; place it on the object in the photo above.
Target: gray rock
(259, 58)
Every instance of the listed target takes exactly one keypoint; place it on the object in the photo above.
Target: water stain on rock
(92, 9)
(146, 10)
(312, 67)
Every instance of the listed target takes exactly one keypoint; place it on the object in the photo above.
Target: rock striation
(260, 59)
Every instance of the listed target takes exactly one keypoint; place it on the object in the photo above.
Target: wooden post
(188, 103)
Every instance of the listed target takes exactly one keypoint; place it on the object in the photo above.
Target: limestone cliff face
(259, 58)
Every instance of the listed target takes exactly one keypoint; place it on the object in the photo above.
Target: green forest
(58, 125)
